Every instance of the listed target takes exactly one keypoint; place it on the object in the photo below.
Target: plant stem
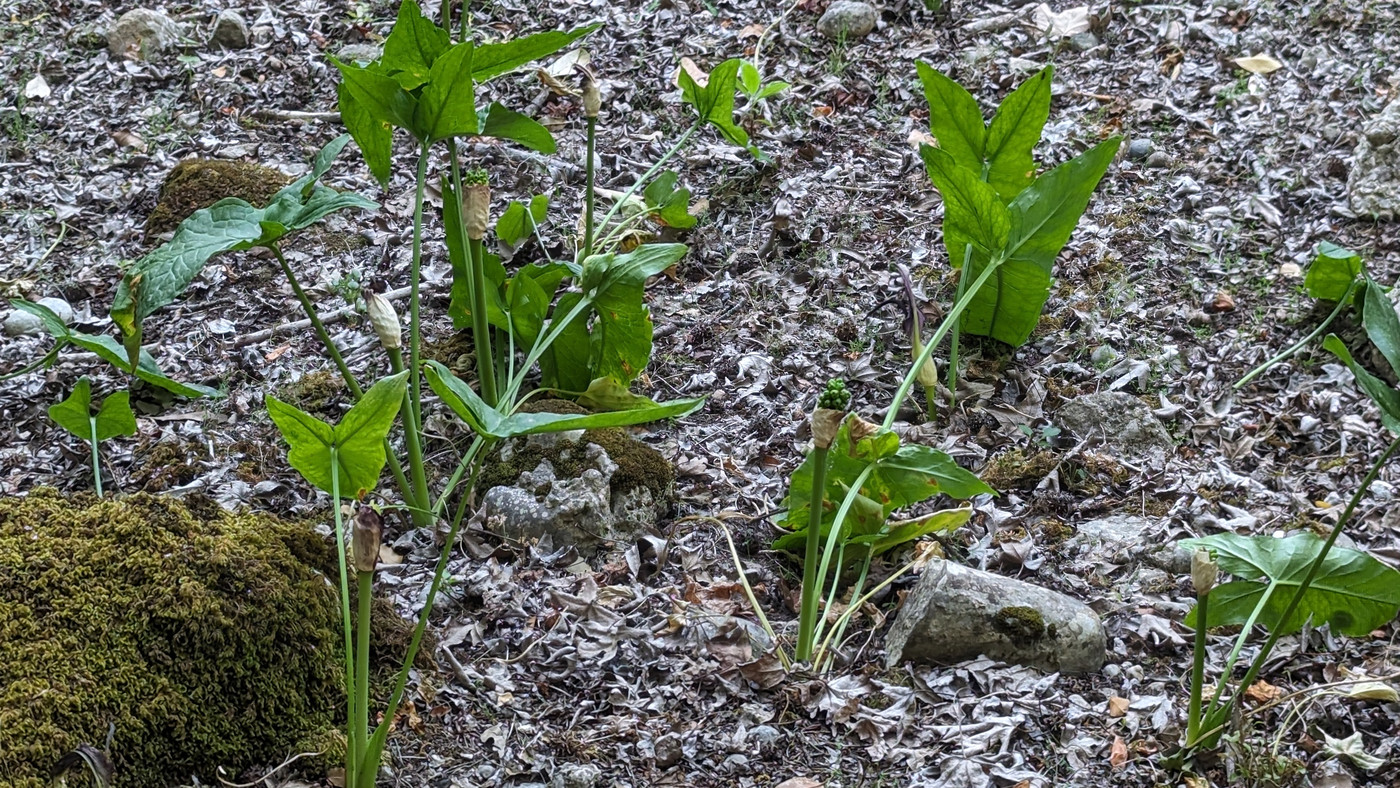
(413, 398)
(351, 753)
(855, 605)
(943, 328)
(1217, 720)
(481, 330)
(1300, 344)
(957, 332)
(839, 628)
(351, 383)
(649, 174)
(811, 590)
(1198, 671)
(96, 464)
(360, 726)
(588, 196)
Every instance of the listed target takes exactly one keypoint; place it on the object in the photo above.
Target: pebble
(1221, 302)
(1159, 160)
(764, 735)
(574, 775)
(22, 324)
(668, 751)
(848, 18)
(1103, 354)
(59, 307)
(1140, 149)
(230, 31)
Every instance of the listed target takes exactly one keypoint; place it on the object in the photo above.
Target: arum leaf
(564, 364)
(74, 412)
(604, 271)
(954, 118)
(504, 123)
(606, 394)
(621, 340)
(115, 417)
(1332, 272)
(713, 100)
(412, 46)
(374, 136)
(380, 96)
(972, 212)
(1014, 132)
(1044, 215)
(670, 204)
(1353, 592)
(447, 107)
(1382, 326)
(486, 420)
(518, 222)
(945, 521)
(492, 60)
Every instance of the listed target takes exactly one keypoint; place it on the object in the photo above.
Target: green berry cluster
(835, 397)
(474, 177)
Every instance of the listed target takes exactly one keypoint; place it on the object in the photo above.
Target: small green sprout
(76, 415)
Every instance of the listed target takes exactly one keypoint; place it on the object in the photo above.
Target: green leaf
(111, 351)
(564, 364)
(1380, 392)
(381, 97)
(115, 417)
(1382, 326)
(622, 333)
(1007, 307)
(529, 304)
(1352, 592)
(972, 212)
(944, 522)
(1332, 272)
(374, 136)
(954, 119)
(358, 439)
(771, 89)
(604, 271)
(1044, 215)
(412, 46)
(606, 394)
(504, 123)
(74, 412)
(447, 107)
(714, 102)
(1014, 132)
(519, 222)
(670, 204)
(492, 60)
(485, 420)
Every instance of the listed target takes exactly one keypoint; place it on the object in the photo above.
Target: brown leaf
(1258, 64)
(751, 31)
(1118, 753)
(799, 782)
(1263, 692)
(696, 73)
(129, 139)
(1117, 706)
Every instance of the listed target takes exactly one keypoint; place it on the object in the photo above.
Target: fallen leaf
(688, 66)
(129, 139)
(919, 137)
(1192, 781)
(1063, 24)
(1258, 64)
(799, 782)
(751, 31)
(1117, 706)
(1118, 753)
(822, 111)
(1354, 750)
(1263, 692)
(1373, 690)
(1222, 302)
(37, 88)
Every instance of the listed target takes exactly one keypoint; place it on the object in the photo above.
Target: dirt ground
(637, 671)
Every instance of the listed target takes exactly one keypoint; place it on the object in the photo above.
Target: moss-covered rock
(204, 638)
(320, 393)
(199, 183)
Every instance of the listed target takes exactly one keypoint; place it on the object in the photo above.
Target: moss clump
(1015, 469)
(204, 638)
(638, 465)
(199, 183)
(320, 393)
(1021, 623)
(165, 465)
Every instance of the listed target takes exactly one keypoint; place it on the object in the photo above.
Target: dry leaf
(1118, 753)
(751, 31)
(919, 137)
(1117, 706)
(688, 66)
(565, 64)
(555, 86)
(1373, 690)
(1263, 692)
(129, 139)
(822, 111)
(37, 88)
(1258, 64)
(799, 782)
(1192, 781)
(1063, 24)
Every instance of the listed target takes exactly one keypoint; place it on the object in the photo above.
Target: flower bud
(384, 319)
(476, 203)
(592, 99)
(366, 534)
(1204, 572)
(927, 375)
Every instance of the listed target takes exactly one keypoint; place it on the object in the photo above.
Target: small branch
(295, 115)
(337, 316)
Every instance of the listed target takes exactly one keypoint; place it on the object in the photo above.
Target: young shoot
(79, 415)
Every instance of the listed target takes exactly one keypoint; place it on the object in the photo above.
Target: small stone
(1290, 271)
(764, 735)
(1021, 65)
(668, 751)
(1373, 185)
(1221, 302)
(141, 34)
(1121, 421)
(1197, 318)
(849, 19)
(1103, 354)
(1083, 42)
(575, 775)
(1159, 160)
(1140, 149)
(230, 31)
(19, 323)
(59, 307)
(359, 53)
(956, 613)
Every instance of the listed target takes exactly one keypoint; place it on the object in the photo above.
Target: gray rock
(22, 324)
(848, 18)
(1083, 42)
(1374, 183)
(1158, 160)
(580, 511)
(230, 31)
(576, 775)
(1140, 149)
(956, 613)
(59, 307)
(142, 33)
(1120, 421)
(359, 53)
(764, 735)
(668, 751)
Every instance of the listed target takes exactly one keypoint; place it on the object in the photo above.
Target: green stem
(1240, 641)
(943, 328)
(1198, 670)
(481, 329)
(408, 493)
(855, 605)
(360, 727)
(352, 754)
(957, 333)
(413, 398)
(96, 464)
(839, 628)
(1300, 344)
(811, 590)
(655, 168)
(556, 327)
(1217, 720)
(588, 190)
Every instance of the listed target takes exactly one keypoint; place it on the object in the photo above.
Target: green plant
(113, 418)
(1000, 220)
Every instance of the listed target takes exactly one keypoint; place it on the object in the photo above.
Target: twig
(298, 325)
(295, 115)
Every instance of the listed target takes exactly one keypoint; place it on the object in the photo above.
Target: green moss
(165, 465)
(204, 638)
(1016, 469)
(320, 393)
(199, 183)
(1020, 623)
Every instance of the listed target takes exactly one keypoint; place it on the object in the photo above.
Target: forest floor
(1183, 274)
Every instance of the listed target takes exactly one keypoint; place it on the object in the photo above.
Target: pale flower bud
(476, 203)
(1204, 572)
(366, 534)
(384, 319)
(592, 97)
(927, 375)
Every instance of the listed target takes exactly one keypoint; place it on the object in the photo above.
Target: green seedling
(999, 218)
(753, 87)
(113, 418)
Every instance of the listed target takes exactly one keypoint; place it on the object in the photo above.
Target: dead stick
(294, 114)
(334, 317)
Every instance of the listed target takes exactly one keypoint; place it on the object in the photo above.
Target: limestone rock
(1120, 421)
(955, 613)
(59, 307)
(576, 775)
(359, 53)
(19, 323)
(848, 18)
(230, 31)
(1374, 183)
(142, 33)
